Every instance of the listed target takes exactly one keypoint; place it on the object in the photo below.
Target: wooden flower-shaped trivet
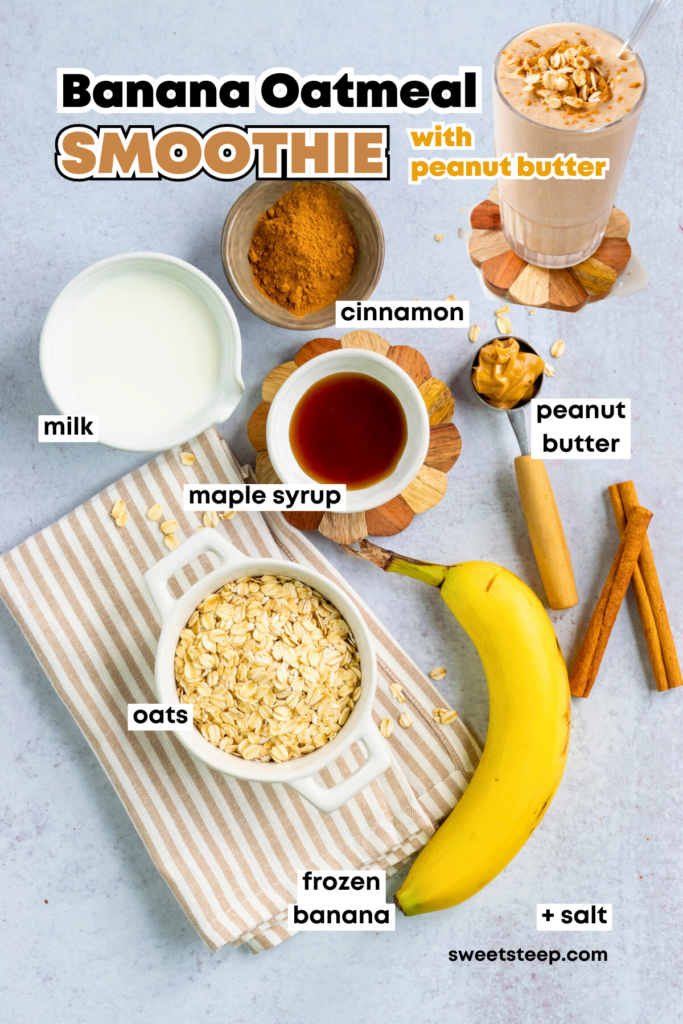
(568, 290)
(426, 489)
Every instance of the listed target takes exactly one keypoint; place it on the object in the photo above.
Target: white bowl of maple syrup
(349, 417)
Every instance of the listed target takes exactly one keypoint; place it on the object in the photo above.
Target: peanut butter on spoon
(506, 376)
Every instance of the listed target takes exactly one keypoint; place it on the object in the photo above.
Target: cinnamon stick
(647, 618)
(646, 562)
(599, 629)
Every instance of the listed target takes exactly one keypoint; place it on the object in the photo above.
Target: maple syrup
(350, 429)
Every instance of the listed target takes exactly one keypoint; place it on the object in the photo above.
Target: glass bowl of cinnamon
(291, 249)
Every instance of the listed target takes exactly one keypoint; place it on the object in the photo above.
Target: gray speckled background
(112, 945)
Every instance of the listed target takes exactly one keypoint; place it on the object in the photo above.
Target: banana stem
(426, 572)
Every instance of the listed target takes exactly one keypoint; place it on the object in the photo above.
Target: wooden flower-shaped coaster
(507, 274)
(425, 490)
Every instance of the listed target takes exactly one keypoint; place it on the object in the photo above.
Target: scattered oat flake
(502, 311)
(439, 238)
(451, 298)
(168, 526)
(503, 325)
(154, 512)
(118, 508)
(187, 458)
(210, 519)
(549, 372)
(396, 689)
(405, 721)
(171, 542)
(532, 312)
(438, 673)
(557, 349)
(386, 727)
(444, 715)
(475, 331)
(226, 515)
(122, 519)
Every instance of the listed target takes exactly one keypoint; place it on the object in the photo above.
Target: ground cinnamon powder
(304, 249)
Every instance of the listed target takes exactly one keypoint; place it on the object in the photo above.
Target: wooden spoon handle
(546, 532)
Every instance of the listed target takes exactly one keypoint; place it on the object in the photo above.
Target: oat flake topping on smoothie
(571, 78)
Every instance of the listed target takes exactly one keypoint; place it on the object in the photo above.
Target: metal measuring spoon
(538, 502)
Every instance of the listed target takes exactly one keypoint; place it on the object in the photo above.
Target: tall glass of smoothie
(564, 88)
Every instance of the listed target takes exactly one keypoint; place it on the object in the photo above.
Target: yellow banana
(528, 733)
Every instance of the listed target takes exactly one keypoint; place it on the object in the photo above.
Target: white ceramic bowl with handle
(297, 773)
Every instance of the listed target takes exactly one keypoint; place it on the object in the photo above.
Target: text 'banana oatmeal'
(271, 668)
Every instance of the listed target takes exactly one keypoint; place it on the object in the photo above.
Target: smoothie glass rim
(635, 109)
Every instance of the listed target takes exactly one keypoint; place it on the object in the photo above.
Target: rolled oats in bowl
(271, 668)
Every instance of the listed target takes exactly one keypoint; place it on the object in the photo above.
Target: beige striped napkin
(229, 850)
